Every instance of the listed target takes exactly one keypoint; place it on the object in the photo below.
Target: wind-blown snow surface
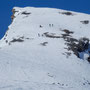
(31, 61)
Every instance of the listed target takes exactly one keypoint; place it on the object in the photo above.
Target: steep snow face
(34, 51)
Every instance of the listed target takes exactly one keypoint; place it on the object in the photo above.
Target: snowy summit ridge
(46, 49)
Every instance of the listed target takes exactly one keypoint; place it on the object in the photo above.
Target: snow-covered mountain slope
(37, 51)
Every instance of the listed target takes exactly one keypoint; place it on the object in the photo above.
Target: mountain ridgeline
(46, 49)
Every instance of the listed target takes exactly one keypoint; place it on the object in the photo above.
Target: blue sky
(7, 5)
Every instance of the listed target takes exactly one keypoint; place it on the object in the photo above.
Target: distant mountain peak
(46, 49)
